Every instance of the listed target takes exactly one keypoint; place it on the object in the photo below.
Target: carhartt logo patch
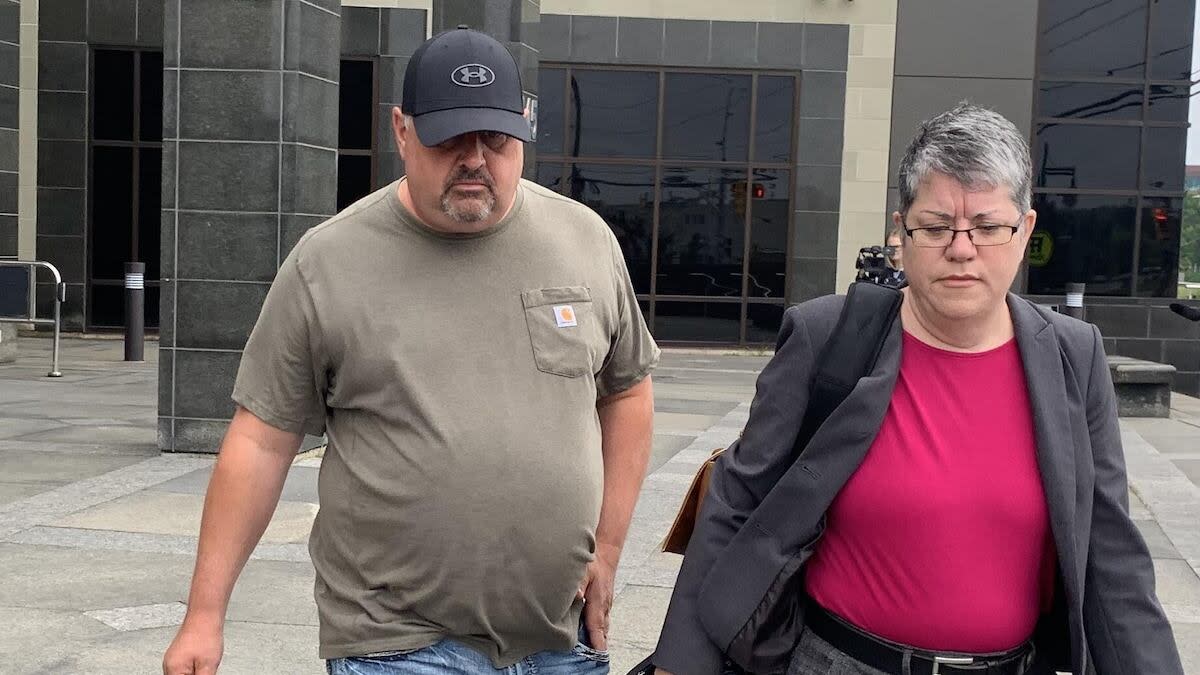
(564, 316)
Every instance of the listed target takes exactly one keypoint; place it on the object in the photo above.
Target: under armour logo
(473, 75)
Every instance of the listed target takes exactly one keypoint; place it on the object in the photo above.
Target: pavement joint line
(142, 542)
(650, 522)
(1168, 494)
(47, 507)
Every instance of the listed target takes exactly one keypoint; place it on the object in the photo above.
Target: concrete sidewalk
(97, 529)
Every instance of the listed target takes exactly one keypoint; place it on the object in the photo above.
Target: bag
(850, 354)
(677, 537)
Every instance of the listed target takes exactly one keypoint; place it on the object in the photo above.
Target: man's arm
(242, 496)
(626, 425)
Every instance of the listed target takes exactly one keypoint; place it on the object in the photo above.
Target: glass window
(775, 118)
(770, 213)
(1080, 156)
(151, 96)
(1094, 38)
(624, 197)
(763, 322)
(707, 116)
(1163, 158)
(1090, 101)
(149, 207)
(112, 95)
(1090, 240)
(111, 200)
(701, 232)
(616, 113)
(549, 174)
(356, 93)
(697, 321)
(1158, 257)
(1171, 39)
(1169, 102)
(550, 111)
(353, 179)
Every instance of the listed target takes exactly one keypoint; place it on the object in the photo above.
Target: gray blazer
(763, 511)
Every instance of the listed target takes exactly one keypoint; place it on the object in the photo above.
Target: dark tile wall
(250, 136)
(819, 52)
(390, 36)
(10, 59)
(1146, 329)
(67, 32)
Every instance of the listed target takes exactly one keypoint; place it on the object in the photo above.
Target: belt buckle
(939, 661)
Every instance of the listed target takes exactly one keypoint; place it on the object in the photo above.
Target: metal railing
(60, 296)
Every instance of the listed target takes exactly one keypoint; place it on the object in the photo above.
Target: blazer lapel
(1044, 375)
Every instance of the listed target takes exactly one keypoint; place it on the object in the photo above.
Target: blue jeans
(448, 657)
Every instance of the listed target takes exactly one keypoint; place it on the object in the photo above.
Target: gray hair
(975, 146)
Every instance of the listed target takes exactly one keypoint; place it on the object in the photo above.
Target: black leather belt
(890, 657)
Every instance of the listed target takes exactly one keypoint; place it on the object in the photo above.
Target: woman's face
(961, 280)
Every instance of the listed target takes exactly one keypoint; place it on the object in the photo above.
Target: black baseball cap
(461, 81)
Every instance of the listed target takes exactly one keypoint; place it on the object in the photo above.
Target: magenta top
(941, 539)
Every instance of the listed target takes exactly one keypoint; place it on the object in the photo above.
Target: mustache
(480, 175)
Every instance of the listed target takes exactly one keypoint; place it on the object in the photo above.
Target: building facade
(742, 152)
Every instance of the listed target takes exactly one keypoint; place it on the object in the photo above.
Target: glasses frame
(954, 234)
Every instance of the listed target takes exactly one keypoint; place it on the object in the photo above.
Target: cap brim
(438, 126)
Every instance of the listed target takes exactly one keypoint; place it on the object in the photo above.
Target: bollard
(135, 311)
(1074, 306)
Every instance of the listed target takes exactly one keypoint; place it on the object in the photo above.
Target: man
(895, 242)
(472, 347)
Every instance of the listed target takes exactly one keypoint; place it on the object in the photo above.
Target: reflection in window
(775, 118)
(697, 321)
(1093, 38)
(707, 116)
(1163, 158)
(700, 232)
(616, 113)
(1081, 156)
(549, 174)
(762, 322)
(770, 213)
(1171, 39)
(624, 197)
(1158, 257)
(1169, 102)
(1090, 101)
(550, 111)
(1091, 241)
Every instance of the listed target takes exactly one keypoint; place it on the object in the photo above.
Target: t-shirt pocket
(558, 319)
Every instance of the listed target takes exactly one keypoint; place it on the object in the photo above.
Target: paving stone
(141, 617)
(1158, 543)
(12, 492)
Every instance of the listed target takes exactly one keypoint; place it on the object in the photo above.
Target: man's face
(962, 280)
(464, 185)
(896, 243)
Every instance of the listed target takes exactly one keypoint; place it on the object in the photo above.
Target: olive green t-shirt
(456, 378)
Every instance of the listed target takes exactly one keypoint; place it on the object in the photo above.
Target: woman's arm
(1126, 629)
(741, 478)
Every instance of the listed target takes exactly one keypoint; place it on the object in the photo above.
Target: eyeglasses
(941, 236)
(492, 140)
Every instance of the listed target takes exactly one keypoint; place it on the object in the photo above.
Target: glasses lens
(992, 235)
(932, 236)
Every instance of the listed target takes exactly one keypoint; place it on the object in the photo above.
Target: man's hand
(196, 650)
(597, 594)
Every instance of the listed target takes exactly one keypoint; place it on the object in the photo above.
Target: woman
(965, 509)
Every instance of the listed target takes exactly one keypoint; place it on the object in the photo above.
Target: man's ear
(399, 130)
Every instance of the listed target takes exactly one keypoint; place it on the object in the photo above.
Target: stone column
(514, 23)
(249, 163)
(10, 83)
